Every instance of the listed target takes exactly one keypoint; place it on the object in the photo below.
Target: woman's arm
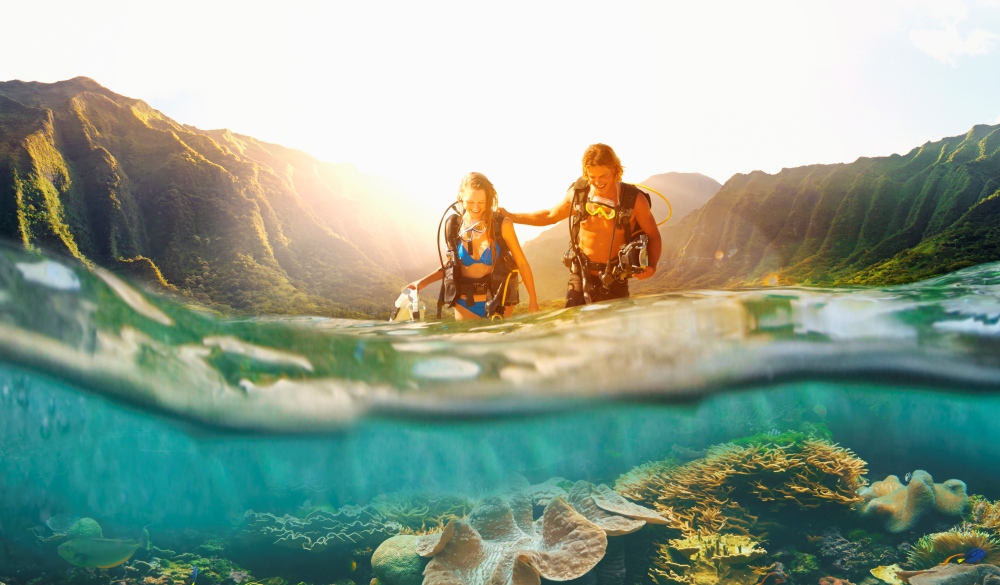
(423, 282)
(507, 231)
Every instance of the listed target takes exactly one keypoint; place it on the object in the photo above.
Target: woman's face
(474, 203)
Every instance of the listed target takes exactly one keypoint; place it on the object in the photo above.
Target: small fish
(101, 553)
(973, 556)
(194, 574)
(353, 565)
(907, 477)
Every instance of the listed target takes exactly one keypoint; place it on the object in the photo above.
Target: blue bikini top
(485, 258)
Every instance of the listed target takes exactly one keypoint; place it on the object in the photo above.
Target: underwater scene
(778, 435)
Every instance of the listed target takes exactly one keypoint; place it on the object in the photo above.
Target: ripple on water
(50, 274)
(446, 368)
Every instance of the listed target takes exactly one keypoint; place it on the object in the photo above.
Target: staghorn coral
(347, 528)
(638, 483)
(933, 549)
(421, 512)
(904, 505)
(715, 558)
(499, 544)
(701, 497)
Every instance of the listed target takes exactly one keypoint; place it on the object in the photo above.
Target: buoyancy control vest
(500, 286)
(623, 220)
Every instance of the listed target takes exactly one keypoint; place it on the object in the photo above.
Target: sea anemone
(933, 549)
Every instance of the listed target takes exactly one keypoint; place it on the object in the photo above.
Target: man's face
(602, 179)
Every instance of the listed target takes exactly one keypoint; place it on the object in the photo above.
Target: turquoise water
(136, 410)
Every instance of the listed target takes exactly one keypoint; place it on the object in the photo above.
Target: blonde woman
(483, 244)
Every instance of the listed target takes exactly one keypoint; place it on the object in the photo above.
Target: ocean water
(140, 412)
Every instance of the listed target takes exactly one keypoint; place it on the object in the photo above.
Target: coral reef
(542, 493)
(421, 512)
(904, 505)
(396, 561)
(500, 544)
(347, 528)
(855, 558)
(613, 513)
(707, 495)
(934, 548)
(716, 558)
(85, 528)
(983, 513)
(804, 568)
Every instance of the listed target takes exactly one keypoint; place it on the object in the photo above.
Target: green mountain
(685, 192)
(874, 221)
(221, 218)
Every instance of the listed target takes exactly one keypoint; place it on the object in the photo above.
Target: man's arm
(644, 217)
(543, 217)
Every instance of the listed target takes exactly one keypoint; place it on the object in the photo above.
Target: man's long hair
(602, 155)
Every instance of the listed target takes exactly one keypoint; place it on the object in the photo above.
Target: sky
(420, 93)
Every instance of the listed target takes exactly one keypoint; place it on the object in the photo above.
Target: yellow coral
(699, 495)
(712, 558)
(984, 513)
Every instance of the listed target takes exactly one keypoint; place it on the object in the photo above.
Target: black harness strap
(578, 213)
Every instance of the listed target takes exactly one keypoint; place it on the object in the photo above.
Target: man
(605, 212)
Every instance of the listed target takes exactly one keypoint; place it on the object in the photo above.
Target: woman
(477, 252)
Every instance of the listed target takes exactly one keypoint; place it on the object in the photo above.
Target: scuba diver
(613, 235)
(484, 257)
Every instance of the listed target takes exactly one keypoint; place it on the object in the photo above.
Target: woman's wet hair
(602, 155)
(474, 182)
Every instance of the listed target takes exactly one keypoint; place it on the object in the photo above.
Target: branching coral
(421, 512)
(932, 549)
(714, 558)
(349, 527)
(703, 496)
(637, 484)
